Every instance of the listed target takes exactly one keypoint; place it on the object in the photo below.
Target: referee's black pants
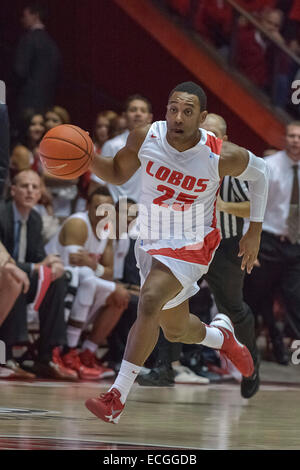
(279, 271)
(225, 279)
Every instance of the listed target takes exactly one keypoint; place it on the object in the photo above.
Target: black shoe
(250, 385)
(162, 376)
(279, 351)
(195, 362)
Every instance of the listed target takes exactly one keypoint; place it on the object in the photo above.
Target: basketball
(66, 151)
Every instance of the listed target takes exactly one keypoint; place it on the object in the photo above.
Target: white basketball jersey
(178, 188)
(92, 243)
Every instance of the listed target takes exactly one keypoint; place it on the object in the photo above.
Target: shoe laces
(89, 359)
(110, 397)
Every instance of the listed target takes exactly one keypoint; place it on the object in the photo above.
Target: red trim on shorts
(199, 253)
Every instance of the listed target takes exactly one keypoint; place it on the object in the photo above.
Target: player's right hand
(18, 275)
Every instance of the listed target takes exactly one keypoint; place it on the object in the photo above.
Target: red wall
(104, 50)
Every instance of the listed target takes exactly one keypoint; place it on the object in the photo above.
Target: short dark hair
(101, 190)
(137, 96)
(128, 200)
(193, 89)
(38, 8)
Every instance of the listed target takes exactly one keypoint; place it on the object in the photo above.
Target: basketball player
(181, 170)
(98, 300)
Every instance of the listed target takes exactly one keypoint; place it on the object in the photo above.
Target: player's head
(292, 140)
(138, 111)
(33, 14)
(26, 189)
(99, 196)
(216, 124)
(186, 111)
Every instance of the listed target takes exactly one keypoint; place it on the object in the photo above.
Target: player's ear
(225, 138)
(202, 117)
(150, 118)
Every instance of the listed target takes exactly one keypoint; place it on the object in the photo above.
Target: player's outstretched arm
(120, 169)
(242, 164)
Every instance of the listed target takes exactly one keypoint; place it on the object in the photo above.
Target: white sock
(214, 337)
(73, 335)
(87, 344)
(126, 376)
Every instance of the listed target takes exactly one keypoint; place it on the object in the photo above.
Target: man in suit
(37, 62)
(21, 234)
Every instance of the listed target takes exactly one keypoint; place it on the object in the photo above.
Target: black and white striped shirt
(232, 190)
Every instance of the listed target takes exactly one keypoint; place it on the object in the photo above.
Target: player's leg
(160, 287)
(181, 326)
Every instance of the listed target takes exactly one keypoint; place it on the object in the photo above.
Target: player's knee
(149, 303)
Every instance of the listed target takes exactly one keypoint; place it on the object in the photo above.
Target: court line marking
(101, 441)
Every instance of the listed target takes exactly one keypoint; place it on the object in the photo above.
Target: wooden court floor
(52, 415)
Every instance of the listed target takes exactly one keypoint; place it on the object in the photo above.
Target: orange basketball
(66, 151)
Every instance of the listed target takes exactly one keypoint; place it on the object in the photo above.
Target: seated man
(98, 300)
(21, 234)
(12, 282)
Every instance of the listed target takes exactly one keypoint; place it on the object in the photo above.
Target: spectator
(12, 282)
(279, 256)
(56, 116)
(25, 153)
(20, 233)
(119, 125)
(103, 129)
(37, 62)
(138, 112)
(253, 48)
(97, 300)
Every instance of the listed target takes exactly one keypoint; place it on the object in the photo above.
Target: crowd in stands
(67, 290)
(253, 53)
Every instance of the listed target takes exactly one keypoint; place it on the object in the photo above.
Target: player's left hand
(249, 247)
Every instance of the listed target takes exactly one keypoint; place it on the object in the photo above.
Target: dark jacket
(37, 65)
(35, 249)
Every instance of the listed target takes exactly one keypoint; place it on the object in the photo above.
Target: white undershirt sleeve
(257, 176)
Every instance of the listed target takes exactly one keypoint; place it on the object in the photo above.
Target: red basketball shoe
(235, 351)
(89, 359)
(107, 407)
(72, 361)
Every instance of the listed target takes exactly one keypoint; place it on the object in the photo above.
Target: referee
(225, 277)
